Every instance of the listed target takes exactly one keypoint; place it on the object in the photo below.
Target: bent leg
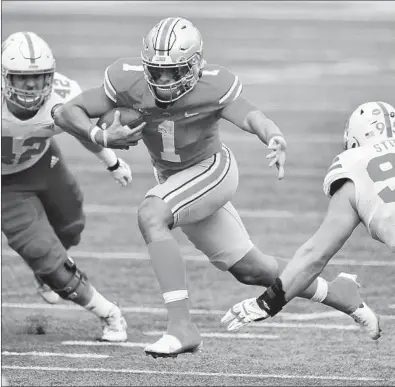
(29, 233)
(257, 268)
(224, 239)
(62, 200)
(184, 197)
(25, 224)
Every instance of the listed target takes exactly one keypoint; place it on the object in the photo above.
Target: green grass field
(307, 67)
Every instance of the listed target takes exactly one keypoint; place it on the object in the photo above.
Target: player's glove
(121, 172)
(243, 313)
(266, 305)
(278, 146)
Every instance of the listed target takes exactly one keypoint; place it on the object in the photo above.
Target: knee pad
(67, 280)
(71, 235)
(69, 241)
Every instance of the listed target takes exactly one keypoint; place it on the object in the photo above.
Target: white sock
(321, 291)
(99, 305)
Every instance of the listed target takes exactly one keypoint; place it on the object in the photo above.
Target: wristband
(114, 167)
(92, 133)
(273, 299)
(107, 156)
(53, 110)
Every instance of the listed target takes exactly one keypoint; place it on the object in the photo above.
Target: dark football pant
(42, 212)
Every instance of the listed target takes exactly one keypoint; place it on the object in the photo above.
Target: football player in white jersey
(361, 185)
(42, 215)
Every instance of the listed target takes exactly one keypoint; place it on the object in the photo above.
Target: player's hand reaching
(118, 136)
(121, 173)
(277, 156)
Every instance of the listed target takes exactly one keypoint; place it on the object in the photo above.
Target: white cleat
(114, 326)
(170, 346)
(368, 320)
(364, 316)
(46, 293)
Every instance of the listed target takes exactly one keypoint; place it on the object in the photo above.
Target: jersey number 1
(382, 168)
(166, 129)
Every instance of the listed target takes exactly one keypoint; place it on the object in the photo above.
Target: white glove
(122, 174)
(242, 314)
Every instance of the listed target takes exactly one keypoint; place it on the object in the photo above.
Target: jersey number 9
(382, 168)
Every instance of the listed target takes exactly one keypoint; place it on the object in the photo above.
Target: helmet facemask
(30, 100)
(183, 77)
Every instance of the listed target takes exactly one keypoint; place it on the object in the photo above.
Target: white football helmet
(25, 53)
(174, 46)
(371, 120)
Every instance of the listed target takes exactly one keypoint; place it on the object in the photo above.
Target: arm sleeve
(337, 171)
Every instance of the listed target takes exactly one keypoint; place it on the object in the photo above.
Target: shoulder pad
(121, 75)
(64, 89)
(226, 85)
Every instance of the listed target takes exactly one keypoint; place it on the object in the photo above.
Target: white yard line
(220, 335)
(56, 354)
(203, 312)
(192, 373)
(191, 257)
(266, 325)
(317, 173)
(104, 344)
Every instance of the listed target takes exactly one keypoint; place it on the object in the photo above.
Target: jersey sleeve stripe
(109, 88)
(230, 91)
(329, 180)
(335, 166)
(238, 92)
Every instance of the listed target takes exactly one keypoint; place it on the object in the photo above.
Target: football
(129, 117)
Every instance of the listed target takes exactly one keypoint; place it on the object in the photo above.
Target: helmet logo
(376, 112)
(159, 58)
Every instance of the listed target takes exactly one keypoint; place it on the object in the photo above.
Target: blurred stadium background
(307, 65)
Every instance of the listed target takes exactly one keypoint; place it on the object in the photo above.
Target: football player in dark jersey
(183, 100)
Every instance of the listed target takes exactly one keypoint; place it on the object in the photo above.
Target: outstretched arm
(312, 257)
(307, 263)
(251, 119)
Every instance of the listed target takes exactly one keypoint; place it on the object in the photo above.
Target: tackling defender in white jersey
(42, 214)
(361, 185)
